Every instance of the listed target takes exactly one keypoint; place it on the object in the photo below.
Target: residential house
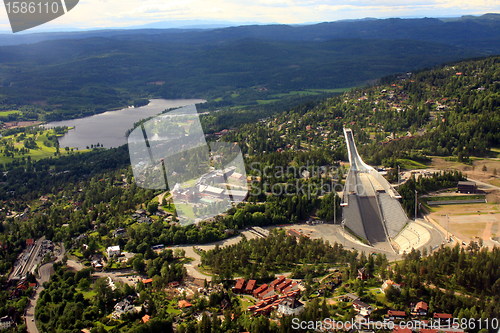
(290, 306)
(443, 318)
(277, 281)
(239, 286)
(123, 307)
(250, 286)
(349, 297)
(420, 309)
(363, 274)
(6, 322)
(362, 308)
(259, 290)
(388, 283)
(395, 315)
(282, 286)
(113, 251)
(183, 304)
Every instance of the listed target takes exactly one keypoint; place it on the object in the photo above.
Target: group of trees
(262, 257)
(464, 281)
(63, 306)
(423, 185)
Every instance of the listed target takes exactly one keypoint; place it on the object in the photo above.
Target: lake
(109, 128)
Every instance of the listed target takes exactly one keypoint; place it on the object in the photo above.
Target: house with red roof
(395, 315)
(250, 286)
(259, 290)
(420, 309)
(239, 286)
(281, 287)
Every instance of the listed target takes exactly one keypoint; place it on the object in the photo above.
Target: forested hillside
(450, 110)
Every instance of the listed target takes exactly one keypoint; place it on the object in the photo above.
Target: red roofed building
(293, 233)
(394, 314)
(280, 288)
(147, 281)
(250, 286)
(183, 304)
(421, 309)
(277, 281)
(30, 242)
(267, 293)
(260, 289)
(146, 318)
(398, 329)
(291, 287)
(443, 318)
(238, 288)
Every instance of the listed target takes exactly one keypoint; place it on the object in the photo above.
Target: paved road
(190, 253)
(483, 184)
(44, 272)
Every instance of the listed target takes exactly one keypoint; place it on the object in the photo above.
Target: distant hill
(80, 73)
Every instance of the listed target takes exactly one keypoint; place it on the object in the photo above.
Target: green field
(410, 164)
(457, 197)
(45, 146)
(8, 112)
(310, 92)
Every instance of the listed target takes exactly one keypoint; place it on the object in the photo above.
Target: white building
(290, 306)
(6, 322)
(123, 307)
(113, 251)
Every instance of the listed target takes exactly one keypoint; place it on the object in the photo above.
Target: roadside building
(467, 187)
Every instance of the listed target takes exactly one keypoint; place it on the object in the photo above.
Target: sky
(90, 14)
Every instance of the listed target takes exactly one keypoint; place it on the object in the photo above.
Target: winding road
(45, 272)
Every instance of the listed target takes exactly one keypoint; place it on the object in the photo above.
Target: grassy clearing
(457, 197)
(186, 209)
(267, 101)
(410, 164)
(8, 112)
(310, 92)
(45, 147)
